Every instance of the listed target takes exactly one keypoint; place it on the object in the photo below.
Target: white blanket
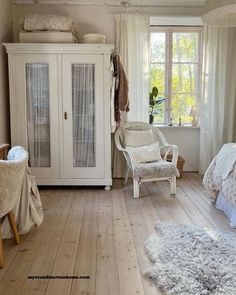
(226, 159)
(221, 174)
(18, 191)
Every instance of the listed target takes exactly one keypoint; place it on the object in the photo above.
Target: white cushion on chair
(135, 138)
(146, 153)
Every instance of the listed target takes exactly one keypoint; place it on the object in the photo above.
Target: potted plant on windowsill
(153, 100)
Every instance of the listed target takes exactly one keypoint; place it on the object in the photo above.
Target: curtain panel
(132, 44)
(218, 107)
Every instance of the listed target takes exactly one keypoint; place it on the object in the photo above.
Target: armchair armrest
(175, 152)
(128, 157)
(117, 141)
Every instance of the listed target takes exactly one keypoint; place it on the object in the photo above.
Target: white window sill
(176, 126)
(113, 127)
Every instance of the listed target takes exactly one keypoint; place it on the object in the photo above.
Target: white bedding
(44, 22)
(18, 190)
(221, 177)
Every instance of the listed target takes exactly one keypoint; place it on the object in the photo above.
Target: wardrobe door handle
(65, 115)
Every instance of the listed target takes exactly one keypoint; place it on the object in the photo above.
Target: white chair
(139, 141)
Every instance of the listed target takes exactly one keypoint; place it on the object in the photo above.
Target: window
(175, 71)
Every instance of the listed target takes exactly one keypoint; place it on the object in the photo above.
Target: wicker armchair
(144, 135)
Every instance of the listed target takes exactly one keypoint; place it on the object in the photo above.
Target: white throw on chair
(18, 193)
(142, 145)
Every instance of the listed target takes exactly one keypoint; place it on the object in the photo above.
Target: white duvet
(221, 174)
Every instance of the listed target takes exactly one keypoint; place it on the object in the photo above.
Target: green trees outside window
(175, 71)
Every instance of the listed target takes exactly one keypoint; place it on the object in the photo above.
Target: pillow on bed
(146, 153)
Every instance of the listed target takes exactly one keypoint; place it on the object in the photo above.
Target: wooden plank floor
(91, 232)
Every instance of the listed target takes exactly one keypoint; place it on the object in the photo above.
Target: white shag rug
(192, 261)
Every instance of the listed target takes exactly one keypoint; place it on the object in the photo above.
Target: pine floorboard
(100, 234)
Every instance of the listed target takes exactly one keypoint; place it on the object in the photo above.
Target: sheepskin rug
(190, 260)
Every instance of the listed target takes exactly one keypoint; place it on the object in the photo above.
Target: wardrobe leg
(107, 188)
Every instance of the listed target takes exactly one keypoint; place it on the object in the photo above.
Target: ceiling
(145, 3)
(220, 13)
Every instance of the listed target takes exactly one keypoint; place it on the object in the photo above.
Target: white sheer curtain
(38, 126)
(218, 109)
(83, 95)
(132, 43)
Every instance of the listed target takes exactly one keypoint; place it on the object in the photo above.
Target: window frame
(169, 31)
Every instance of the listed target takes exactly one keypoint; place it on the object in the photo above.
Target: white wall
(96, 19)
(6, 33)
(187, 139)
(101, 20)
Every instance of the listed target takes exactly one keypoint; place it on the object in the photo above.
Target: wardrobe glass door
(83, 113)
(83, 137)
(37, 114)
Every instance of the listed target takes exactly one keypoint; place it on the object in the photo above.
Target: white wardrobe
(60, 111)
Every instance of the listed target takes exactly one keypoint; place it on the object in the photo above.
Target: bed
(220, 181)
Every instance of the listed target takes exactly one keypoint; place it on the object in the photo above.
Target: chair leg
(136, 189)
(1, 247)
(126, 175)
(12, 221)
(173, 186)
